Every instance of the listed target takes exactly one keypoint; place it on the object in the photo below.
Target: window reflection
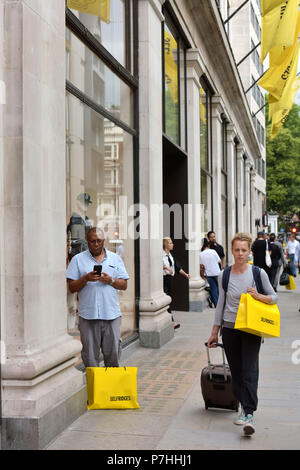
(171, 85)
(206, 180)
(99, 172)
(90, 75)
(111, 33)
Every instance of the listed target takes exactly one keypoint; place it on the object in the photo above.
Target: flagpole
(259, 110)
(245, 57)
(236, 11)
(254, 83)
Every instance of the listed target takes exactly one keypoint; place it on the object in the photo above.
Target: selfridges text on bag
(112, 387)
(257, 318)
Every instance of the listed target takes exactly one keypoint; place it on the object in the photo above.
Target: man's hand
(105, 278)
(92, 277)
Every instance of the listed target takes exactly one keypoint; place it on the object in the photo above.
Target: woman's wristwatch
(112, 281)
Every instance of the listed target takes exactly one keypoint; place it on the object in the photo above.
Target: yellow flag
(268, 5)
(280, 116)
(278, 54)
(281, 108)
(290, 78)
(171, 66)
(278, 26)
(275, 78)
(99, 8)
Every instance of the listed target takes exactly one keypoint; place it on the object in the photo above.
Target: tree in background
(283, 165)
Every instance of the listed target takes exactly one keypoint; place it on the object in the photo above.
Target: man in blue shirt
(99, 310)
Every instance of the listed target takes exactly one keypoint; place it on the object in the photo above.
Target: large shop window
(100, 142)
(110, 27)
(174, 90)
(224, 188)
(205, 159)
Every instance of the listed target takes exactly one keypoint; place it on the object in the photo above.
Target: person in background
(259, 252)
(241, 348)
(276, 260)
(290, 253)
(281, 262)
(210, 259)
(211, 237)
(170, 268)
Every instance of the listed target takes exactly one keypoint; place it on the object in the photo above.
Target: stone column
(197, 294)
(240, 179)
(217, 110)
(253, 202)
(155, 322)
(247, 205)
(231, 186)
(42, 392)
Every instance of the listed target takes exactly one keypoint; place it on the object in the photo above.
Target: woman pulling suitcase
(241, 348)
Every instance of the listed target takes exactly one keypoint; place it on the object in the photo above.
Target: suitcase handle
(209, 363)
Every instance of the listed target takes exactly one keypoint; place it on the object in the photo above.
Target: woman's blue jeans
(292, 264)
(214, 288)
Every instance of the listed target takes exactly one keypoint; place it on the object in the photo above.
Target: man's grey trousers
(100, 334)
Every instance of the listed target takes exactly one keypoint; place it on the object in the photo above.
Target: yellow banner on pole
(278, 54)
(280, 109)
(268, 5)
(278, 26)
(280, 116)
(171, 66)
(99, 8)
(274, 104)
(275, 78)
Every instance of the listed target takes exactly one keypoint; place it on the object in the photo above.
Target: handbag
(111, 387)
(291, 284)
(268, 257)
(257, 318)
(284, 279)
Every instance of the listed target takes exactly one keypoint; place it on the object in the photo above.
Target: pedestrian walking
(211, 237)
(290, 253)
(171, 267)
(278, 260)
(99, 310)
(210, 260)
(258, 249)
(241, 348)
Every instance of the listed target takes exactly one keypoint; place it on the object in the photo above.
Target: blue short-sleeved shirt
(97, 301)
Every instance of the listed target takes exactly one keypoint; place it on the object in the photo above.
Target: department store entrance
(175, 196)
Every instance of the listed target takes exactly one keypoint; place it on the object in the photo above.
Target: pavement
(172, 415)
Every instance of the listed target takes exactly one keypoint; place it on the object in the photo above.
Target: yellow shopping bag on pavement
(291, 285)
(112, 387)
(257, 318)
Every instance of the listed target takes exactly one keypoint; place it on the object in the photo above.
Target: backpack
(256, 277)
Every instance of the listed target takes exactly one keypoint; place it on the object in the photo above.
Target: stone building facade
(140, 125)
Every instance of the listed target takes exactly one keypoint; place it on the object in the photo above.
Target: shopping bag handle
(117, 368)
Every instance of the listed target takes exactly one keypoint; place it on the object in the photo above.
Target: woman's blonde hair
(166, 240)
(242, 237)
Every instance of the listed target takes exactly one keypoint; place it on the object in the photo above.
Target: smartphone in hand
(98, 269)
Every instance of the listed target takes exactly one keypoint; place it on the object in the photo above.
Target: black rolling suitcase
(216, 385)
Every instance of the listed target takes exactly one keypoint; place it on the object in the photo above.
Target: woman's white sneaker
(241, 418)
(249, 428)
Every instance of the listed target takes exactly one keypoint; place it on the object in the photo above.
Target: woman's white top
(168, 260)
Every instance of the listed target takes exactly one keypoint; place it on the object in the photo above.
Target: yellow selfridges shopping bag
(291, 285)
(257, 318)
(112, 387)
